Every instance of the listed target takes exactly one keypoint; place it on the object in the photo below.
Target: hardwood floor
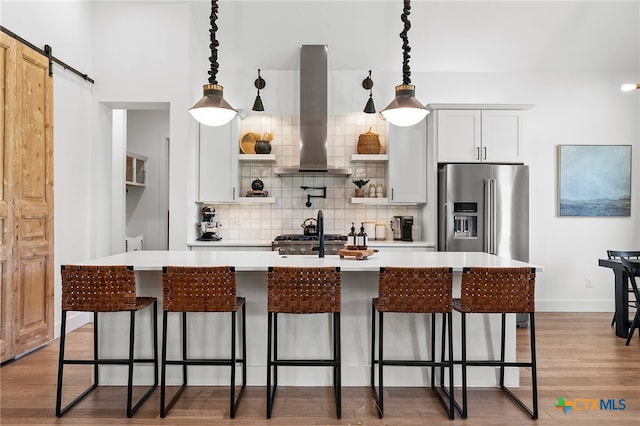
(579, 357)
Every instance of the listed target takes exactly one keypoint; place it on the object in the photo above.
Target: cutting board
(358, 254)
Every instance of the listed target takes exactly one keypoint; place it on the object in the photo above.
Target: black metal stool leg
(132, 328)
(534, 369)
(163, 381)
(380, 365)
(338, 361)
(232, 384)
(464, 365)
(269, 365)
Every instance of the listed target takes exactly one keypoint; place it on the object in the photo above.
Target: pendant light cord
(406, 71)
(213, 59)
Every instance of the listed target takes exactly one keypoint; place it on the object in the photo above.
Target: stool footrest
(305, 363)
(216, 361)
(495, 363)
(412, 363)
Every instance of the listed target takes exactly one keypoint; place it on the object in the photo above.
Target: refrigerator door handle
(490, 216)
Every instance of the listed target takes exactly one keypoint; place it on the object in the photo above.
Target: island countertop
(257, 261)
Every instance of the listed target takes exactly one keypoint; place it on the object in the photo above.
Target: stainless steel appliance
(208, 226)
(484, 207)
(402, 227)
(298, 244)
(314, 113)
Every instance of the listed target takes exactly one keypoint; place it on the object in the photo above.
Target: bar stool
(104, 289)
(202, 289)
(499, 291)
(302, 290)
(633, 270)
(413, 291)
(624, 254)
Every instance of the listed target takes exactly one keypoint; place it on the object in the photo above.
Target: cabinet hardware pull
(485, 153)
(477, 153)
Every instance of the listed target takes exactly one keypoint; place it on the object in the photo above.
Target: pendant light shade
(212, 109)
(405, 109)
(629, 87)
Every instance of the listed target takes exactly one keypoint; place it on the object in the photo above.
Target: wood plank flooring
(579, 357)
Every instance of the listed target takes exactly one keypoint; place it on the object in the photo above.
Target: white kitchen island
(308, 335)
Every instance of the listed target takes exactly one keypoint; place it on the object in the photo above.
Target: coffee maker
(208, 226)
(402, 228)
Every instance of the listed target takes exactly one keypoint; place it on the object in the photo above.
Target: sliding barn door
(29, 252)
(7, 120)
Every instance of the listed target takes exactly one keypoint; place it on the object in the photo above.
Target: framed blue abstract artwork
(594, 180)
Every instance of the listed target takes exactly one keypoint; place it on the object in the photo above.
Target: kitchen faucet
(320, 225)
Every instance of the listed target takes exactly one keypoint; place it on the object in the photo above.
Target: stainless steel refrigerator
(484, 207)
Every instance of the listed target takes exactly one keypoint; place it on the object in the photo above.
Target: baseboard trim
(567, 305)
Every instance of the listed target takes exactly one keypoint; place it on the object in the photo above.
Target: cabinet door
(502, 136)
(218, 163)
(458, 134)
(407, 171)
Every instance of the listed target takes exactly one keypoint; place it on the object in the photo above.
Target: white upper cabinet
(407, 167)
(219, 180)
(458, 133)
(475, 135)
(502, 136)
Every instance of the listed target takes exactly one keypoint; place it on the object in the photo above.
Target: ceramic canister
(370, 229)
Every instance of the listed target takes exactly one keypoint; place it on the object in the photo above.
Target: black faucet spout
(320, 225)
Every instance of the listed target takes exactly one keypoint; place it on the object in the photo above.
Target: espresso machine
(402, 227)
(208, 226)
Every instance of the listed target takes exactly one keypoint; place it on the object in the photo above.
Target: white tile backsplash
(265, 221)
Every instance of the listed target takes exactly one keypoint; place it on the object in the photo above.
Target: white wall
(567, 58)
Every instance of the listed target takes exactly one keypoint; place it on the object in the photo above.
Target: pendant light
(212, 109)
(405, 109)
(629, 87)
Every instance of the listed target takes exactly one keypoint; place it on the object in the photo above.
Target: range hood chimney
(314, 73)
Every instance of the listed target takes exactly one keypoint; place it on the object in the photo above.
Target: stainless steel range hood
(314, 78)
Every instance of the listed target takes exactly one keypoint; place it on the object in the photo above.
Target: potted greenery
(360, 183)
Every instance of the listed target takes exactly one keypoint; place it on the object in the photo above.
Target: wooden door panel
(33, 141)
(7, 126)
(30, 305)
(33, 203)
(32, 230)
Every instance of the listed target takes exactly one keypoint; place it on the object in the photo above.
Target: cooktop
(302, 237)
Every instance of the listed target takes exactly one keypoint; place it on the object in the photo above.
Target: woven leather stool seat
(302, 290)
(414, 291)
(104, 289)
(498, 291)
(202, 289)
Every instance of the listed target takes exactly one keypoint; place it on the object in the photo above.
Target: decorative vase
(359, 192)
(263, 147)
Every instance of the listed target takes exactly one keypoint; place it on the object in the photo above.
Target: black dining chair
(633, 270)
(623, 254)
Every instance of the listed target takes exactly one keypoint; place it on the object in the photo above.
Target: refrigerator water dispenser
(465, 220)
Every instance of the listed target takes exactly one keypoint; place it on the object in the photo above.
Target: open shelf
(369, 157)
(243, 200)
(267, 158)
